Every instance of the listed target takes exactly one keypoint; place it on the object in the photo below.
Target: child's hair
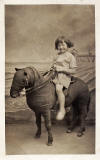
(63, 39)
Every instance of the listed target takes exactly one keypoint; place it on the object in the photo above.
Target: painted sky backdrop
(31, 30)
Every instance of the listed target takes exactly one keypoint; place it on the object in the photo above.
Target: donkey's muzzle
(13, 93)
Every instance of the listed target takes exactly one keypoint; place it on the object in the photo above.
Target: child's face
(62, 47)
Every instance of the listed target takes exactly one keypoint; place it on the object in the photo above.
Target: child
(65, 65)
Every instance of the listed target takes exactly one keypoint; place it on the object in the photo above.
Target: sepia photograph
(50, 79)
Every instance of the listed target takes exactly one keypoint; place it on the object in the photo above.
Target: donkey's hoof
(37, 135)
(49, 144)
(84, 129)
(68, 131)
(80, 134)
(53, 122)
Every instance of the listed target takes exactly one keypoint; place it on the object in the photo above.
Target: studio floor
(20, 140)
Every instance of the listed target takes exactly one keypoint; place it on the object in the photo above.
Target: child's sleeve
(73, 63)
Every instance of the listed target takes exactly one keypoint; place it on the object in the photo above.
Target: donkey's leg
(47, 118)
(82, 116)
(38, 122)
(72, 119)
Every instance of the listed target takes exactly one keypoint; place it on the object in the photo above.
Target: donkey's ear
(25, 73)
(17, 69)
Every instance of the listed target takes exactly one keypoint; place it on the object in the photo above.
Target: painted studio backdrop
(30, 34)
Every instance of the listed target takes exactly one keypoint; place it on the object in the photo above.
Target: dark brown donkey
(41, 97)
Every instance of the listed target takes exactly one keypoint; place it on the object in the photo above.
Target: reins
(33, 89)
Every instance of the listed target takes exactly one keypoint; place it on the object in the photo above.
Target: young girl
(65, 65)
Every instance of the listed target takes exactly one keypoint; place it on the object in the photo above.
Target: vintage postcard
(48, 60)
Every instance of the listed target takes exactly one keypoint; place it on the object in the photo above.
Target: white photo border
(95, 156)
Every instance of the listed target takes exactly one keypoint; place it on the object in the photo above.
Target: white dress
(65, 61)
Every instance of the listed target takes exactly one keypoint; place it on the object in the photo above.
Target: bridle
(30, 89)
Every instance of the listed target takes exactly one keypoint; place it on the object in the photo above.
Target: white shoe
(60, 115)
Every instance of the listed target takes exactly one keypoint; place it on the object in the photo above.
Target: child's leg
(61, 99)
